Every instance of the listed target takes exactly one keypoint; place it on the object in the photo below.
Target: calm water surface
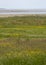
(22, 12)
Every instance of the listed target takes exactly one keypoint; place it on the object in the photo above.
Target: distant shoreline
(11, 15)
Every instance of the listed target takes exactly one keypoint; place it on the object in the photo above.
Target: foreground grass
(23, 40)
(23, 51)
(24, 58)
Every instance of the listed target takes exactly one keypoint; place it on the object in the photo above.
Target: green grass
(11, 22)
(23, 40)
(33, 59)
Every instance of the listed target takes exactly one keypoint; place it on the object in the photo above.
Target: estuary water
(22, 12)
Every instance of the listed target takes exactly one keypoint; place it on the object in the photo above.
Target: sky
(23, 4)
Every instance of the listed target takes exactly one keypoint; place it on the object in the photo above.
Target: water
(22, 12)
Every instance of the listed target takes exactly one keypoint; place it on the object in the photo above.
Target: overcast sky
(23, 4)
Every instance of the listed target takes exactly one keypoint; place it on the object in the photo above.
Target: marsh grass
(23, 40)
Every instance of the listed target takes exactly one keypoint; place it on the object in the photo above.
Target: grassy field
(23, 40)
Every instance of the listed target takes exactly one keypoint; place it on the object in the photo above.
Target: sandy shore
(11, 15)
(7, 15)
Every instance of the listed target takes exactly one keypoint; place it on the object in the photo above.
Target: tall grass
(23, 40)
